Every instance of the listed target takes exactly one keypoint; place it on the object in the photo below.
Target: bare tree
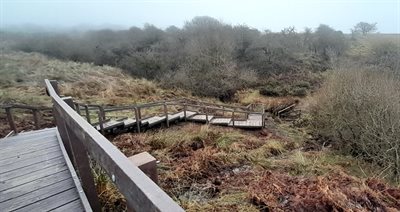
(365, 28)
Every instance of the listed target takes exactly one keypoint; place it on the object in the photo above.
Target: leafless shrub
(359, 111)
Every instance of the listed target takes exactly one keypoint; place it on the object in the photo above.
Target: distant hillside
(22, 81)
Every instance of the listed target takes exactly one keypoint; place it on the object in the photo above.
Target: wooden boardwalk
(253, 121)
(36, 174)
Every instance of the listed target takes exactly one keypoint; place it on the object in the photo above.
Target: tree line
(205, 56)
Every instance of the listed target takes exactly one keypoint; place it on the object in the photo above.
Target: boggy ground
(209, 168)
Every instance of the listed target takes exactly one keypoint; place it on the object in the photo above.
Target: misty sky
(268, 14)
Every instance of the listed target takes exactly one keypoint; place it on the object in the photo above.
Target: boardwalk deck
(36, 174)
(221, 121)
(200, 118)
(247, 124)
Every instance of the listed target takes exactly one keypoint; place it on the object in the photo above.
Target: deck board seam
(45, 159)
(34, 190)
(59, 171)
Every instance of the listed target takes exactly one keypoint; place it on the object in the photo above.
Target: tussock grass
(22, 81)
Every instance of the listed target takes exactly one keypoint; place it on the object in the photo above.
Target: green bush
(273, 91)
(303, 84)
(298, 91)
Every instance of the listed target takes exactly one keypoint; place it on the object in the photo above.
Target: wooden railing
(82, 140)
(35, 110)
(184, 103)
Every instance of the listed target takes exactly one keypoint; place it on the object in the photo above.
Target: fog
(263, 15)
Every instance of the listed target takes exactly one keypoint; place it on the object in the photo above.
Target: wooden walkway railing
(183, 103)
(82, 142)
(33, 109)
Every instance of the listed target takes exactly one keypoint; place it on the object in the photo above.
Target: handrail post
(11, 120)
(78, 109)
(233, 117)
(100, 121)
(205, 108)
(263, 116)
(166, 114)
(140, 114)
(137, 119)
(36, 118)
(87, 114)
(184, 110)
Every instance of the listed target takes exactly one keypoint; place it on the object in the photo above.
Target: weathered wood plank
(29, 134)
(221, 121)
(41, 159)
(52, 202)
(33, 185)
(110, 125)
(22, 146)
(13, 141)
(154, 120)
(71, 206)
(20, 157)
(36, 195)
(29, 169)
(17, 181)
(201, 118)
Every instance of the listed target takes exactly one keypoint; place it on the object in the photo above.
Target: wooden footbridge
(131, 119)
(50, 169)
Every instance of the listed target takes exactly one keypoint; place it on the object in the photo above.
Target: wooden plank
(247, 124)
(200, 118)
(176, 116)
(71, 206)
(17, 181)
(52, 202)
(151, 121)
(29, 169)
(129, 122)
(110, 125)
(40, 159)
(221, 121)
(27, 138)
(20, 145)
(34, 185)
(37, 195)
(255, 116)
(142, 193)
(28, 150)
(29, 133)
(190, 113)
(22, 157)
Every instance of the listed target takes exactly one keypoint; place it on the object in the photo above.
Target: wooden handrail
(141, 193)
(34, 109)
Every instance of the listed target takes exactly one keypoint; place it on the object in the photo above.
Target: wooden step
(221, 121)
(176, 116)
(254, 116)
(129, 122)
(200, 118)
(154, 120)
(112, 124)
(249, 124)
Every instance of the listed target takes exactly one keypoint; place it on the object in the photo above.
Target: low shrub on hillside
(359, 112)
